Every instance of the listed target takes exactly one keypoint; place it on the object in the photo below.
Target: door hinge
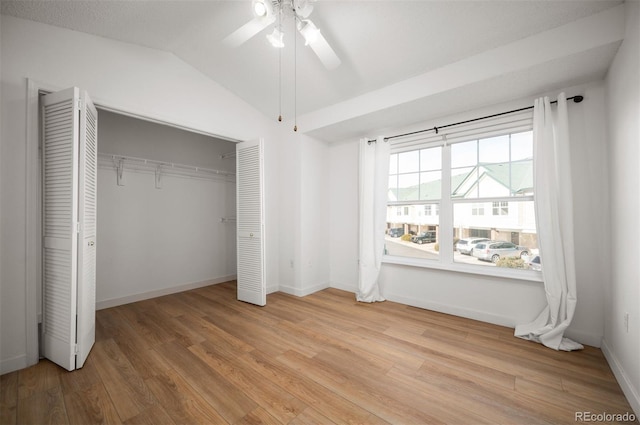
(78, 227)
(75, 348)
(79, 103)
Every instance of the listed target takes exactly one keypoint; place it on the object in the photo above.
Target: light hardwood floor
(201, 357)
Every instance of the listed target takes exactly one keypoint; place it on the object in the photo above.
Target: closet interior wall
(158, 239)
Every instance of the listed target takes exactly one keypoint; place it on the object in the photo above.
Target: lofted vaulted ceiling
(383, 45)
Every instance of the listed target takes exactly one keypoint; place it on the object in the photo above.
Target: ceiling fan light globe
(303, 9)
(261, 8)
(276, 38)
(310, 32)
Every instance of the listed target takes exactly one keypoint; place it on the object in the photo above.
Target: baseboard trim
(303, 292)
(585, 338)
(13, 364)
(453, 310)
(114, 302)
(623, 379)
(344, 287)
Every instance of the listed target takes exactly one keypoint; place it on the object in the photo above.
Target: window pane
(512, 221)
(431, 159)
(464, 154)
(393, 164)
(430, 185)
(494, 150)
(393, 189)
(464, 182)
(408, 187)
(412, 231)
(522, 177)
(409, 162)
(522, 146)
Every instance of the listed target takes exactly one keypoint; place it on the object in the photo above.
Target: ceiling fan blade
(248, 30)
(325, 53)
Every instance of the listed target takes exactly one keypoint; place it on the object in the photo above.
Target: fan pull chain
(295, 78)
(279, 71)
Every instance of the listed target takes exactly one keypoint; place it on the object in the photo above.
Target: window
(487, 195)
(477, 209)
(415, 183)
(501, 208)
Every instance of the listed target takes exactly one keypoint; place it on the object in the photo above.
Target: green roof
(521, 181)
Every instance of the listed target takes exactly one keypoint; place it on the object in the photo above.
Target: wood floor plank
(258, 416)
(225, 398)
(41, 377)
(91, 405)
(42, 407)
(273, 399)
(337, 408)
(80, 379)
(202, 357)
(8, 397)
(125, 386)
(154, 415)
(388, 403)
(181, 401)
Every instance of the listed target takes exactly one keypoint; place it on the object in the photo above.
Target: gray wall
(153, 241)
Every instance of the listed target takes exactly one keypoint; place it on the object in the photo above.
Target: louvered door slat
(250, 223)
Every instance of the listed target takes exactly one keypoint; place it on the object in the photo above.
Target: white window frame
(509, 124)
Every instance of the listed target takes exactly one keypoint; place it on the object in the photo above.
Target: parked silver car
(495, 250)
(466, 245)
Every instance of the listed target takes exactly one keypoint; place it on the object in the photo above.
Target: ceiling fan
(268, 12)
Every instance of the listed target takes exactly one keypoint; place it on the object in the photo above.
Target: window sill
(526, 275)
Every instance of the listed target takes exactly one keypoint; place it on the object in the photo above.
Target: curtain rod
(576, 99)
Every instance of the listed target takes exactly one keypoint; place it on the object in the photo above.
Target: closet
(130, 209)
(166, 210)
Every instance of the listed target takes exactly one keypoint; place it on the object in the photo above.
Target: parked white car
(495, 250)
(466, 245)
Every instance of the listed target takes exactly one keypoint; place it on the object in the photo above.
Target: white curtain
(554, 216)
(374, 183)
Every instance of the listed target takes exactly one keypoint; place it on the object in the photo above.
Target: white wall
(622, 347)
(155, 241)
(304, 239)
(315, 223)
(118, 75)
(496, 300)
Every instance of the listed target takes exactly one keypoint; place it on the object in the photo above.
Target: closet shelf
(120, 163)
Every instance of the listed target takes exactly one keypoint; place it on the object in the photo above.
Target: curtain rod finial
(578, 99)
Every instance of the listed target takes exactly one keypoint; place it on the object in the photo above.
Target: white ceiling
(380, 43)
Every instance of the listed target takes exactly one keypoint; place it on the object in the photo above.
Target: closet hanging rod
(173, 165)
(228, 155)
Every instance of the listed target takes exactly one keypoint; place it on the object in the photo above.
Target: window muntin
(491, 195)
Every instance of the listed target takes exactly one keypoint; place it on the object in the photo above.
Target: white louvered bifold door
(63, 265)
(88, 169)
(250, 222)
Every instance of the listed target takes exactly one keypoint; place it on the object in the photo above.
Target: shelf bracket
(159, 177)
(120, 172)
